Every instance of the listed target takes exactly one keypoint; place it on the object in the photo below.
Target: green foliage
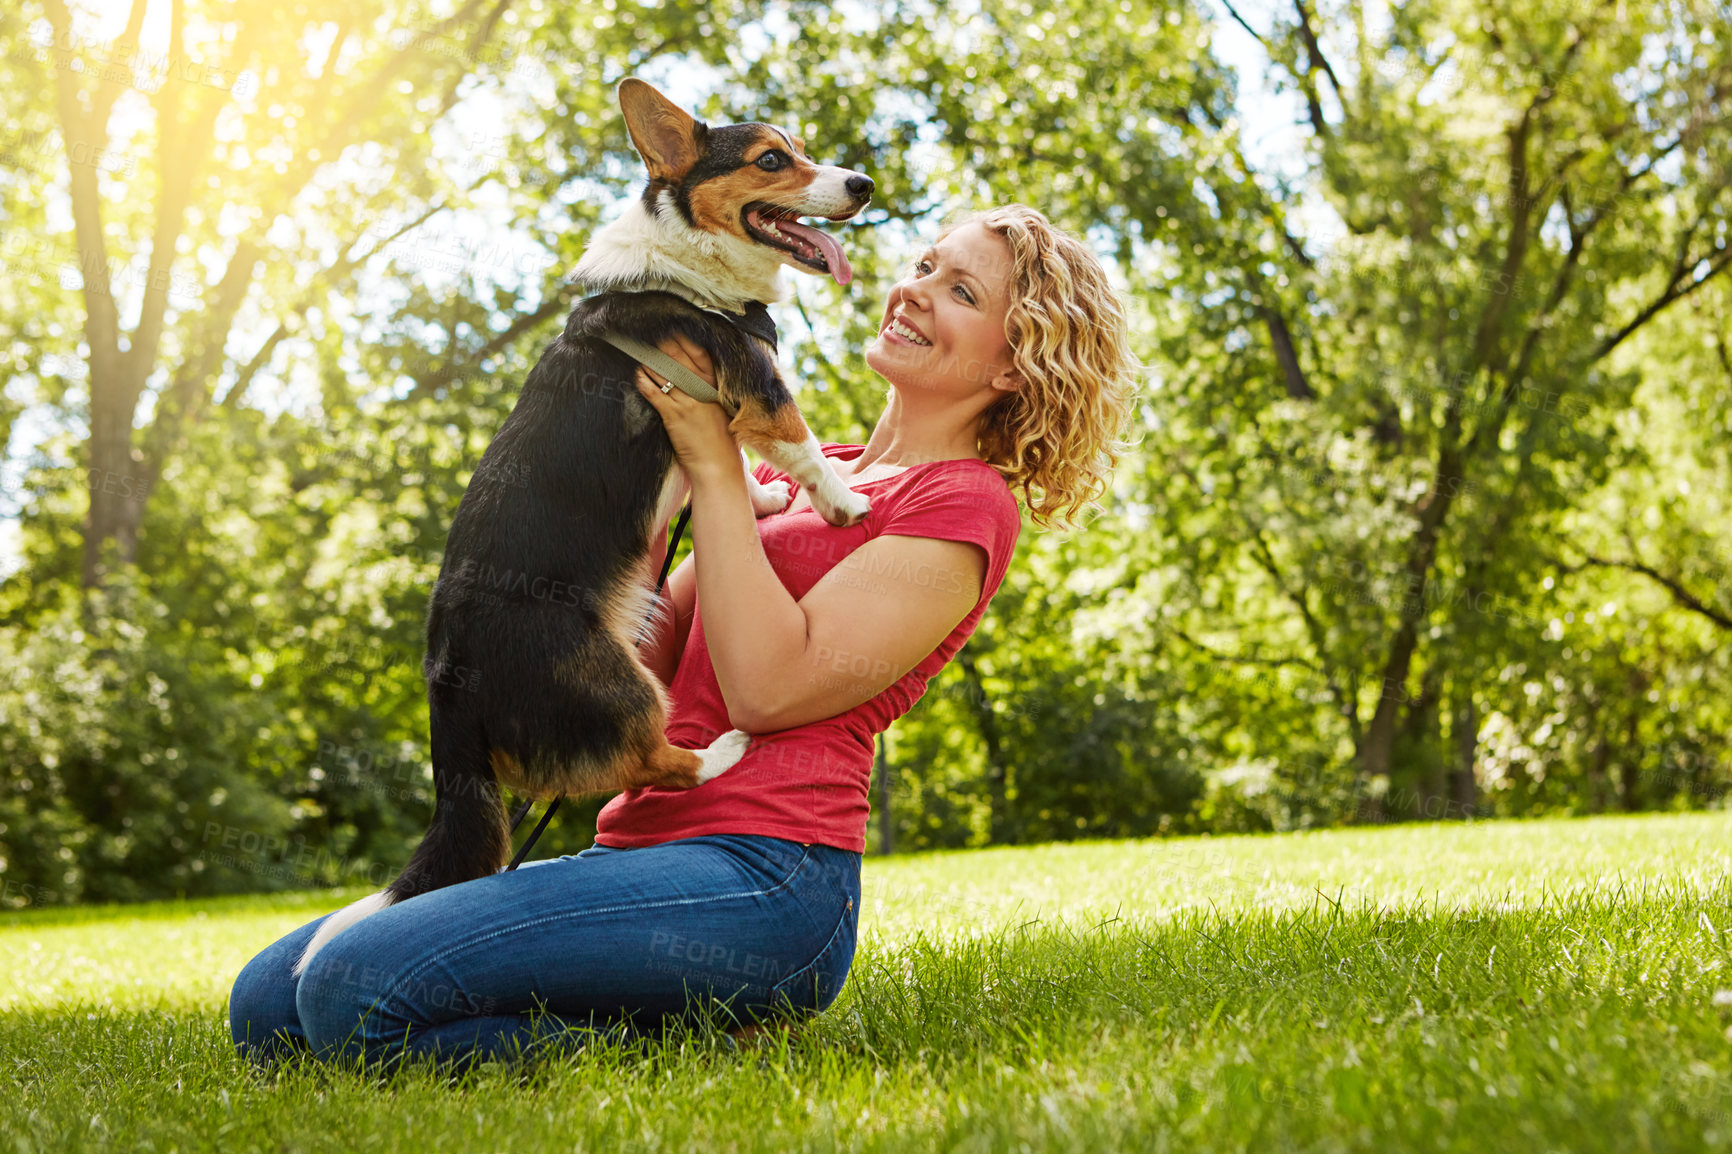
(1427, 516)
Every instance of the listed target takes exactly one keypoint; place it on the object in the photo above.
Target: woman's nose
(915, 293)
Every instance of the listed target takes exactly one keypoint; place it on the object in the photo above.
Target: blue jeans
(607, 941)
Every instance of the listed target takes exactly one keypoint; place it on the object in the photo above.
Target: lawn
(1531, 986)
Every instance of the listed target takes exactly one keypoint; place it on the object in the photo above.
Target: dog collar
(755, 321)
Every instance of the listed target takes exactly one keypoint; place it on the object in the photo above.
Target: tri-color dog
(546, 579)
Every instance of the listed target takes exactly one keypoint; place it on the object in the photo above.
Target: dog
(533, 677)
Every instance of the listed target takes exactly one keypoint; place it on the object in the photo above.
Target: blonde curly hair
(1058, 436)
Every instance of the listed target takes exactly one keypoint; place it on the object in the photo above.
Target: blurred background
(1428, 519)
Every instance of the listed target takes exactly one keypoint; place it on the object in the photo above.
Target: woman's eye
(771, 161)
(965, 294)
(923, 267)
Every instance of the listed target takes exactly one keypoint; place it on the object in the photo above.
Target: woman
(1005, 352)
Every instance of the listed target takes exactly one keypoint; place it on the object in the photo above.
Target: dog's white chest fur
(646, 249)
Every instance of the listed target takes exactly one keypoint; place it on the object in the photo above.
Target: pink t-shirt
(810, 783)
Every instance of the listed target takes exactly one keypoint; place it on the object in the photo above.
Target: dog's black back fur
(525, 681)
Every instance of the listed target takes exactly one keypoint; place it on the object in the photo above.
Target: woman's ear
(1007, 381)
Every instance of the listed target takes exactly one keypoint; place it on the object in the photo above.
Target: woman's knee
(260, 1028)
(263, 1021)
(343, 999)
(363, 993)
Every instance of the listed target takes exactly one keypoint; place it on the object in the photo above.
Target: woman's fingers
(690, 354)
(699, 431)
(650, 385)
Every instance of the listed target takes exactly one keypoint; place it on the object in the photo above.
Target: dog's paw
(842, 508)
(771, 498)
(722, 753)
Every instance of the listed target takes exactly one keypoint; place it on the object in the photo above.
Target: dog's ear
(663, 133)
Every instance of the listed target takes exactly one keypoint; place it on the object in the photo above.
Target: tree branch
(108, 87)
(1315, 60)
(1234, 13)
(341, 267)
(1344, 702)
(1674, 292)
(101, 317)
(1268, 662)
(1681, 595)
(427, 384)
(830, 371)
(1493, 425)
(244, 379)
(181, 164)
(1314, 49)
(181, 401)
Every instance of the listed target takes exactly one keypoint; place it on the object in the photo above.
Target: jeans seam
(436, 958)
(803, 971)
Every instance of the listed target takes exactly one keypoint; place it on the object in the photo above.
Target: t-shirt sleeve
(975, 506)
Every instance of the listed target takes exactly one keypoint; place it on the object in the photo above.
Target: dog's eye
(772, 160)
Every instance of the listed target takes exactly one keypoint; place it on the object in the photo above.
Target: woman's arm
(781, 662)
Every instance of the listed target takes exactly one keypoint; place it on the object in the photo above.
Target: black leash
(553, 806)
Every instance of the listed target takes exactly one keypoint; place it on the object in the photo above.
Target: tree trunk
(116, 488)
(1379, 742)
(1629, 765)
(1417, 780)
(981, 706)
(1463, 785)
(1598, 783)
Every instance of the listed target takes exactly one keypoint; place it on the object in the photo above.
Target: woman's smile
(901, 331)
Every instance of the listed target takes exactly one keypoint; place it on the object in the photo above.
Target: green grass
(1523, 986)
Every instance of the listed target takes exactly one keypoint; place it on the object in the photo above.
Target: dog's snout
(859, 185)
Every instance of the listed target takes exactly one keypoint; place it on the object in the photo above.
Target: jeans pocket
(811, 989)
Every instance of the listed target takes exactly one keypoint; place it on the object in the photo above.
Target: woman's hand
(698, 430)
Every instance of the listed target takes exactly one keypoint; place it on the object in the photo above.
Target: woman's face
(943, 325)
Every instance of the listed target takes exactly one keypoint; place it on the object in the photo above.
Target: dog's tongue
(826, 244)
